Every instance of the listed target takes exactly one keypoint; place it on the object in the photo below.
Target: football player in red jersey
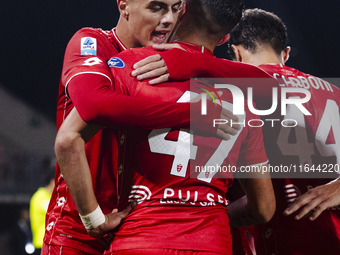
(84, 82)
(261, 39)
(85, 67)
(176, 212)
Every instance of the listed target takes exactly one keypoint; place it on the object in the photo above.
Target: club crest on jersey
(116, 62)
(88, 46)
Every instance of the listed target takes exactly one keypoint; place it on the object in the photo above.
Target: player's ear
(285, 54)
(122, 7)
(236, 50)
(224, 39)
(183, 8)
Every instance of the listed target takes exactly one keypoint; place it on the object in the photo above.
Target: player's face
(150, 21)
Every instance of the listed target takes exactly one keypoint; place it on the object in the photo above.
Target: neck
(124, 36)
(199, 42)
(193, 36)
(264, 55)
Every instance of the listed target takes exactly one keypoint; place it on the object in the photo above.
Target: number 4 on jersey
(183, 149)
(329, 124)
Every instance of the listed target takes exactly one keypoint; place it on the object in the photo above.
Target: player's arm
(183, 65)
(70, 153)
(258, 205)
(154, 66)
(89, 83)
(179, 67)
(312, 203)
(97, 103)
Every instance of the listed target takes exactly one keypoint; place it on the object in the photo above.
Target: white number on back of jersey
(183, 149)
(302, 148)
(222, 151)
(330, 121)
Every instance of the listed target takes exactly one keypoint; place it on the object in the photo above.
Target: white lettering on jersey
(92, 61)
(303, 82)
(171, 196)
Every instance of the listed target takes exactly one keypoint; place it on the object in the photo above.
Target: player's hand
(104, 232)
(167, 46)
(224, 131)
(154, 66)
(315, 201)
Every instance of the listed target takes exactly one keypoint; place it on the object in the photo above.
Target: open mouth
(159, 36)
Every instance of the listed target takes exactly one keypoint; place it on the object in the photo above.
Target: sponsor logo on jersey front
(192, 197)
(88, 46)
(116, 62)
(139, 193)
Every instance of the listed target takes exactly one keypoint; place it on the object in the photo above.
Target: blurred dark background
(35, 34)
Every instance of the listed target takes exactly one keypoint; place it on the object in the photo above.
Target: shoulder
(91, 36)
(141, 52)
(90, 31)
(134, 54)
(249, 69)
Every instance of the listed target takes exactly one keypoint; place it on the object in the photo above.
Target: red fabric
(284, 235)
(162, 252)
(176, 209)
(112, 108)
(183, 65)
(63, 225)
(61, 250)
(89, 81)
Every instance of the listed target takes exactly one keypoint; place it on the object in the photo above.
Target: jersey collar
(117, 39)
(197, 48)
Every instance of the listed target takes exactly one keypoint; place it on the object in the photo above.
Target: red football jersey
(86, 53)
(179, 207)
(315, 142)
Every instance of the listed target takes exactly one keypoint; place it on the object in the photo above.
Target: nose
(169, 18)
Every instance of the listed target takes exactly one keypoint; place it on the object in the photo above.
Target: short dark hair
(259, 27)
(216, 16)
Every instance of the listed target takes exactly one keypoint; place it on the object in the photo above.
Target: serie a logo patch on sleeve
(88, 46)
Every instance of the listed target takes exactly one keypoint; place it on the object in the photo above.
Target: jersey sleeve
(99, 102)
(183, 65)
(252, 151)
(87, 52)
